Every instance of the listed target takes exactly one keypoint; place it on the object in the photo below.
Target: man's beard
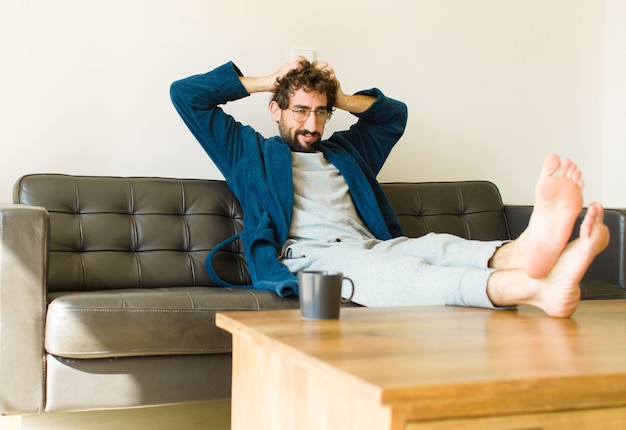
(293, 143)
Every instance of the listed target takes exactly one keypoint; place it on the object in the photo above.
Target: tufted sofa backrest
(469, 209)
(112, 232)
(141, 232)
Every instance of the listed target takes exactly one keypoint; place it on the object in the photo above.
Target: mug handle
(347, 300)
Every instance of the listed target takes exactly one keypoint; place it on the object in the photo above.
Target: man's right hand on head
(269, 83)
(290, 65)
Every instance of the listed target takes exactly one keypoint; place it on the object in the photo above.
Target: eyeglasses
(302, 114)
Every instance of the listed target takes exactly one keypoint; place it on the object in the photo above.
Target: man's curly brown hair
(309, 78)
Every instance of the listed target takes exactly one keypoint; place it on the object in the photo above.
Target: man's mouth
(309, 137)
(304, 141)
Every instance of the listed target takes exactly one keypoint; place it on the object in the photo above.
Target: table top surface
(444, 351)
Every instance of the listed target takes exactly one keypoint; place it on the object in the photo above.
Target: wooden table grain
(429, 368)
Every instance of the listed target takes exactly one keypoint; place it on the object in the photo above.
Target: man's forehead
(311, 99)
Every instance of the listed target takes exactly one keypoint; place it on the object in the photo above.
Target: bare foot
(559, 293)
(558, 201)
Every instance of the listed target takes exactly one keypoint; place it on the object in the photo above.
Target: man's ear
(275, 110)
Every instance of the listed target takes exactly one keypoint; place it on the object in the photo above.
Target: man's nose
(311, 121)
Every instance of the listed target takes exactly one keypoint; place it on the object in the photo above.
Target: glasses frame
(319, 119)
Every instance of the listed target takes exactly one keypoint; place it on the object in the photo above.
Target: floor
(206, 416)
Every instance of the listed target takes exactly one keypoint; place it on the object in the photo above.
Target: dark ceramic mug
(320, 294)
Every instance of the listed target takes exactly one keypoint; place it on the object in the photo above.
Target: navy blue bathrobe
(258, 169)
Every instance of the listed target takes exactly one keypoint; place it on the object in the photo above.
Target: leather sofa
(105, 303)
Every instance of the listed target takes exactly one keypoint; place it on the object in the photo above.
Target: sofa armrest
(23, 270)
(610, 265)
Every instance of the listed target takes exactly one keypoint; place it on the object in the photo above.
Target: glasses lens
(300, 115)
(321, 116)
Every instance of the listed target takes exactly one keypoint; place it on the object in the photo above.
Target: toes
(588, 221)
(580, 183)
(600, 216)
(594, 219)
(598, 212)
(574, 174)
(551, 165)
(566, 168)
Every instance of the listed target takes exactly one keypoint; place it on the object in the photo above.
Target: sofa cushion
(135, 322)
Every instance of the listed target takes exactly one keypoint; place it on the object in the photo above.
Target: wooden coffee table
(429, 368)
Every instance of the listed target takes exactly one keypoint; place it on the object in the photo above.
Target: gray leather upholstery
(155, 232)
(471, 209)
(23, 263)
(105, 303)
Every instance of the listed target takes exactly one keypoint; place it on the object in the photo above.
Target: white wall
(492, 86)
(614, 194)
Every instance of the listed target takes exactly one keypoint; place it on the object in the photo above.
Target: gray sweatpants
(436, 269)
